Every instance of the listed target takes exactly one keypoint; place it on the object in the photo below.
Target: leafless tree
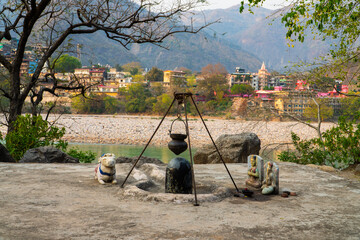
(50, 23)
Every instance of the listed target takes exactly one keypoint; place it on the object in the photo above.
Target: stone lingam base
(64, 201)
(147, 183)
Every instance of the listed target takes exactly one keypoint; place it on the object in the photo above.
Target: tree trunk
(14, 111)
(16, 102)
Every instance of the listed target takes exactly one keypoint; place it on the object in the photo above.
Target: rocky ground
(124, 129)
(63, 201)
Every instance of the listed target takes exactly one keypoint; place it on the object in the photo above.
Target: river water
(120, 150)
(162, 153)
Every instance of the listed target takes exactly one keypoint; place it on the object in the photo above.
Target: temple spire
(263, 66)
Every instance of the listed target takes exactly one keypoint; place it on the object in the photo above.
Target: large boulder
(234, 148)
(5, 155)
(47, 154)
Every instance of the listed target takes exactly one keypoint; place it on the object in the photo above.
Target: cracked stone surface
(64, 201)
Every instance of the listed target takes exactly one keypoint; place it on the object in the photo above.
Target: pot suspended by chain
(177, 145)
(178, 172)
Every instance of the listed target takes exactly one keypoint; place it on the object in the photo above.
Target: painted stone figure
(255, 171)
(270, 185)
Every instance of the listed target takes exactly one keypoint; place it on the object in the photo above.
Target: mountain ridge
(240, 40)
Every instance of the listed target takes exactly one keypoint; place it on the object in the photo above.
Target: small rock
(284, 195)
(327, 168)
(5, 155)
(357, 170)
(322, 167)
(293, 194)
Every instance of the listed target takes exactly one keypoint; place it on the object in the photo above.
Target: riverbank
(137, 130)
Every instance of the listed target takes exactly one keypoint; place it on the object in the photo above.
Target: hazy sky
(270, 4)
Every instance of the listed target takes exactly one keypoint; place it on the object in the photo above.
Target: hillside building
(239, 77)
(174, 76)
(90, 75)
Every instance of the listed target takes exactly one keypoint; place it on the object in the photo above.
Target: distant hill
(253, 33)
(240, 40)
(192, 51)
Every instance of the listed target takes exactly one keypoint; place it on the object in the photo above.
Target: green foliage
(350, 107)
(212, 84)
(157, 89)
(79, 104)
(113, 105)
(92, 104)
(135, 106)
(138, 91)
(136, 98)
(342, 143)
(133, 67)
(287, 156)
(31, 132)
(268, 88)
(118, 67)
(155, 75)
(66, 63)
(138, 78)
(242, 89)
(82, 156)
(306, 152)
(217, 107)
(191, 81)
(97, 104)
(162, 103)
(326, 111)
(322, 84)
(339, 147)
(229, 116)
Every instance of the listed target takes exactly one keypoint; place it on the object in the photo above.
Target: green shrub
(31, 132)
(229, 116)
(339, 147)
(83, 156)
(287, 156)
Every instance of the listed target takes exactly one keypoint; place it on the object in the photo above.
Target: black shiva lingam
(179, 180)
(178, 172)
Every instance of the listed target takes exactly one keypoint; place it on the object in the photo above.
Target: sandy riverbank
(137, 130)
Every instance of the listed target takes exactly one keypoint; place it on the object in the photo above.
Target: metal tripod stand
(181, 98)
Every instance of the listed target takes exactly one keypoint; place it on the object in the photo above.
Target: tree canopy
(212, 86)
(66, 63)
(242, 89)
(214, 69)
(133, 68)
(155, 75)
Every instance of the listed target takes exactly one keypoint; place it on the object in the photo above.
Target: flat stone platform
(63, 201)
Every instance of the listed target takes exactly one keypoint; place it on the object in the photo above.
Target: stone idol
(270, 184)
(255, 171)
